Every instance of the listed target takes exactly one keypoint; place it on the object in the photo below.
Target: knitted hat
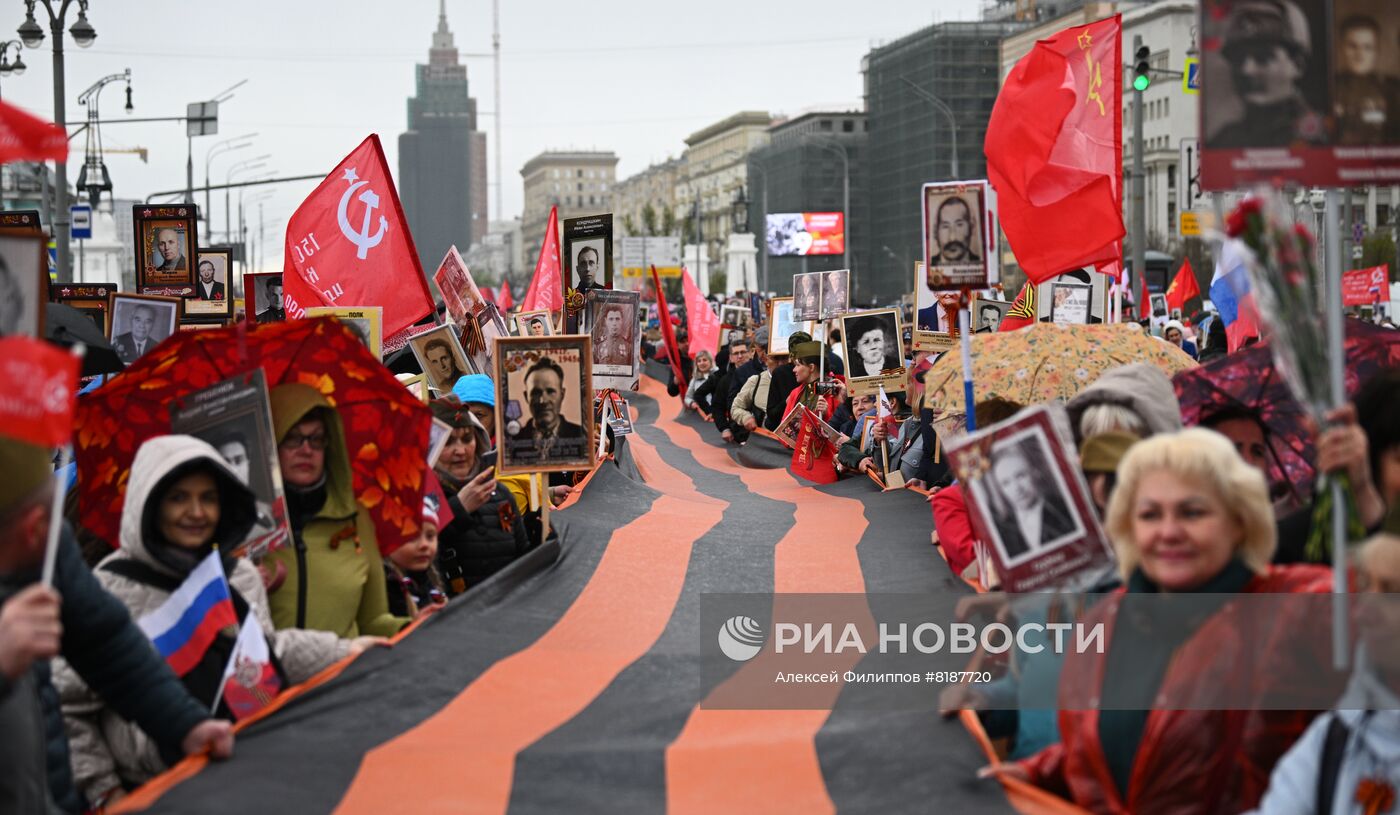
(25, 467)
(1101, 453)
(476, 388)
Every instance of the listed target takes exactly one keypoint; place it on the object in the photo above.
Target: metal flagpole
(1336, 370)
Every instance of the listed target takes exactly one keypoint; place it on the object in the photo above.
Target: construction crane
(142, 152)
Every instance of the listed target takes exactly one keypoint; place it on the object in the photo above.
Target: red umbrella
(1247, 381)
(26, 137)
(386, 427)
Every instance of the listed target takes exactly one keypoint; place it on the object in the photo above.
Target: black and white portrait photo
(23, 284)
(1026, 498)
(544, 403)
(534, 324)
(235, 417)
(587, 263)
(441, 356)
(872, 343)
(807, 296)
(212, 297)
(988, 314)
(588, 252)
(612, 321)
(141, 322)
(734, 316)
(1266, 83)
(954, 219)
(836, 293)
(263, 293)
(1366, 74)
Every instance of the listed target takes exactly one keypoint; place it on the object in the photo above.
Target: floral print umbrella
(1042, 362)
(386, 426)
(1248, 381)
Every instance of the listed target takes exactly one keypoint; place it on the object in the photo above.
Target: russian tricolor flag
(186, 623)
(1232, 295)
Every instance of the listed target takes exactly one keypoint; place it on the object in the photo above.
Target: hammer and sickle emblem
(362, 239)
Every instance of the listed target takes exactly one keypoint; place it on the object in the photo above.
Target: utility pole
(496, 71)
(1139, 201)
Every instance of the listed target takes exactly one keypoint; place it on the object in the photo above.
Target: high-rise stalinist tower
(442, 156)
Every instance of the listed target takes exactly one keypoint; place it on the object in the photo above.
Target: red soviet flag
(1183, 286)
(547, 288)
(348, 244)
(702, 324)
(673, 349)
(1054, 148)
(26, 137)
(38, 391)
(503, 300)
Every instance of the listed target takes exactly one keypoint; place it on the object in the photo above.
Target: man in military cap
(1268, 48)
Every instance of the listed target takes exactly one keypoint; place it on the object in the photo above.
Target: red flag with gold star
(1054, 148)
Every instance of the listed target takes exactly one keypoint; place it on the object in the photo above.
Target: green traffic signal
(1142, 71)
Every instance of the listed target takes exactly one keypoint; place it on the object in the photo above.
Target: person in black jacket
(487, 530)
(88, 627)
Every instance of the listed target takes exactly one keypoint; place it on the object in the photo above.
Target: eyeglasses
(294, 441)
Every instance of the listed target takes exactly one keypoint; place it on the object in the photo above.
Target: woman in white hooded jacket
(181, 500)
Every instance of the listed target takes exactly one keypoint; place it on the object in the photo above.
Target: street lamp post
(761, 232)
(943, 108)
(242, 166)
(32, 35)
(225, 146)
(6, 69)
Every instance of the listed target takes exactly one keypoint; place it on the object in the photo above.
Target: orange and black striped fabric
(571, 682)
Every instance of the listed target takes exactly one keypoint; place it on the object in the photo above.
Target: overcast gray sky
(631, 76)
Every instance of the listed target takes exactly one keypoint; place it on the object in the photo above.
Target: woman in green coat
(334, 574)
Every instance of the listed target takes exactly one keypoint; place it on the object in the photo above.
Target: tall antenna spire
(442, 17)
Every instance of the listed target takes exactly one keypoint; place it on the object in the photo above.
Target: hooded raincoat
(335, 575)
(106, 750)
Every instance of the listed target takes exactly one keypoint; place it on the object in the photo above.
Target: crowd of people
(1189, 510)
(89, 711)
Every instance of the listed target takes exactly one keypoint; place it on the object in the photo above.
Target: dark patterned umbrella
(1247, 381)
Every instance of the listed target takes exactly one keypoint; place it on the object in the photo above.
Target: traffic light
(1141, 72)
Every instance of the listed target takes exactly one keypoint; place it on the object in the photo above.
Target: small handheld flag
(250, 682)
(189, 620)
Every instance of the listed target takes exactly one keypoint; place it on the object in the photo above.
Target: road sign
(202, 118)
(1190, 225)
(640, 254)
(1191, 76)
(80, 217)
(1188, 184)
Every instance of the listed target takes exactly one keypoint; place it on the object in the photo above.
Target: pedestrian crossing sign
(1191, 77)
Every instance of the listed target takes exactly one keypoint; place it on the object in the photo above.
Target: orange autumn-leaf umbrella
(386, 426)
(1042, 362)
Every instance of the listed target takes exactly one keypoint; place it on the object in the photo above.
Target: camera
(828, 387)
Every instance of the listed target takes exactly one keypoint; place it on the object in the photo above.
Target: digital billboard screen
(806, 233)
